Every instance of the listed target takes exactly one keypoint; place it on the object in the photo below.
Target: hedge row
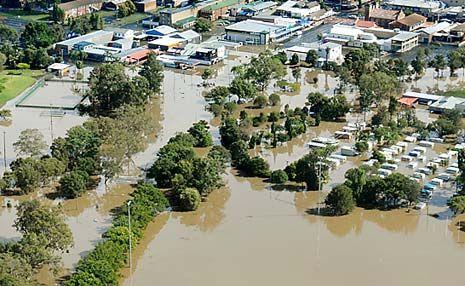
(102, 265)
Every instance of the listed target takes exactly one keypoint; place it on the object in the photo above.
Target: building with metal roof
(260, 32)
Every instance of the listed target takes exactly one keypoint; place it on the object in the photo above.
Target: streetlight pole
(130, 242)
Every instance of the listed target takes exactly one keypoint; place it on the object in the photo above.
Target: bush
(23, 66)
(189, 199)
(256, 167)
(260, 101)
(274, 99)
(74, 184)
(278, 177)
(361, 146)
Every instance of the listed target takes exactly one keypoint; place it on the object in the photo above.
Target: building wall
(146, 6)
(173, 17)
(247, 38)
(454, 2)
(82, 10)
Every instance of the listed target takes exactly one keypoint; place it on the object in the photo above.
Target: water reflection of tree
(457, 227)
(210, 213)
(394, 221)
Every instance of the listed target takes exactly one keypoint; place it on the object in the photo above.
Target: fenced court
(53, 94)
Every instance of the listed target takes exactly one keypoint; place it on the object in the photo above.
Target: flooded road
(259, 237)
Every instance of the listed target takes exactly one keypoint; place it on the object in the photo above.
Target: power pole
(4, 150)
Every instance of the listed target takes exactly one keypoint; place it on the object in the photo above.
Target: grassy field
(455, 92)
(15, 84)
(25, 15)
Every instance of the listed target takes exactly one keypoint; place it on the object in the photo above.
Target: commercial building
(426, 8)
(78, 8)
(214, 11)
(184, 17)
(97, 37)
(102, 45)
(261, 33)
(349, 36)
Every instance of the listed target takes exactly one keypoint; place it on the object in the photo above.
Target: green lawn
(116, 22)
(455, 92)
(15, 84)
(25, 15)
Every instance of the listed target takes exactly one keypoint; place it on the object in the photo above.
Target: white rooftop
(447, 103)
(254, 26)
(425, 4)
(58, 66)
(299, 49)
(164, 29)
(436, 28)
(166, 41)
(421, 95)
(345, 30)
(188, 34)
(404, 36)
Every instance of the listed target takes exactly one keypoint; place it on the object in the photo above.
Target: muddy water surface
(270, 238)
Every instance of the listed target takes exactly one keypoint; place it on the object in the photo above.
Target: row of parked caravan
(416, 155)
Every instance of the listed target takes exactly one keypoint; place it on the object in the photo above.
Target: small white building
(330, 52)
(292, 9)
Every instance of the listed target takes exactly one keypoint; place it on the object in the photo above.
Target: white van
(452, 170)
(425, 171)
(428, 144)
(390, 167)
(412, 165)
(437, 182)
(384, 173)
(419, 175)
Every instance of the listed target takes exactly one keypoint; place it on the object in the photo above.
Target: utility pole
(4, 150)
(130, 242)
(51, 122)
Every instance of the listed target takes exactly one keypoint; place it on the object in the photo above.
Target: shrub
(189, 199)
(278, 177)
(23, 66)
(260, 101)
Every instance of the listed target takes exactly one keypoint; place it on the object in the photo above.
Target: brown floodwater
(254, 236)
